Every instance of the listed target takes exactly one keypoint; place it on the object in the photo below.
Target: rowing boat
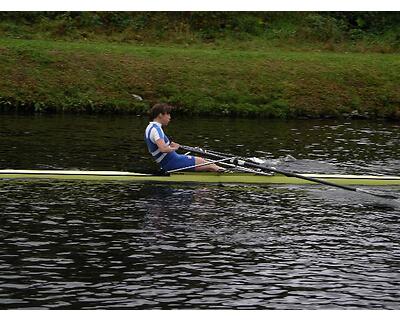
(197, 177)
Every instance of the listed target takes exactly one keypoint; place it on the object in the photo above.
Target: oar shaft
(291, 174)
(200, 165)
(238, 162)
(250, 164)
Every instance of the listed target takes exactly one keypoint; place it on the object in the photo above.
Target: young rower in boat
(163, 150)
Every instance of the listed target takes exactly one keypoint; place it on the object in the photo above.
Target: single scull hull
(196, 177)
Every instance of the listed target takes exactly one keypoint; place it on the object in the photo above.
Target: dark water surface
(126, 245)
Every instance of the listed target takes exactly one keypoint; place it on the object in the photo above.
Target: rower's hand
(174, 146)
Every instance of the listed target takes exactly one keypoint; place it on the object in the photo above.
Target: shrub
(323, 28)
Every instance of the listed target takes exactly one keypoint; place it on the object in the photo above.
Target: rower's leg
(209, 167)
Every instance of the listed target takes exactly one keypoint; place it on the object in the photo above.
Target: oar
(201, 164)
(250, 164)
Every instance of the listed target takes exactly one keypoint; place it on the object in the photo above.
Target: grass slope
(44, 75)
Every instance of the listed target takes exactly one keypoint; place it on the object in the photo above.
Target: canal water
(100, 245)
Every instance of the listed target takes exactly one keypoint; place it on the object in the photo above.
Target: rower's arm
(165, 148)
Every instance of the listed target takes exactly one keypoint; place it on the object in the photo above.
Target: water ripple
(80, 245)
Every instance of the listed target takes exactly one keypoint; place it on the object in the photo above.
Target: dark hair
(159, 108)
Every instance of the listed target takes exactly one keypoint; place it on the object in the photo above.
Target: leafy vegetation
(334, 31)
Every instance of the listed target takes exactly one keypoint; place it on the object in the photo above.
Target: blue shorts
(179, 161)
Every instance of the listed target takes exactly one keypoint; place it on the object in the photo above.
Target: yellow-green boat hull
(196, 177)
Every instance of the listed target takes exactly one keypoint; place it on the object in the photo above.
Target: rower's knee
(199, 160)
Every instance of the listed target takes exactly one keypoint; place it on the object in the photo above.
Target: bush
(249, 24)
(323, 28)
(184, 27)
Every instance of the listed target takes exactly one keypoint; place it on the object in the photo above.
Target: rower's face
(165, 118)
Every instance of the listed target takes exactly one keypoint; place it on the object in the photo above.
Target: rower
(164, 151)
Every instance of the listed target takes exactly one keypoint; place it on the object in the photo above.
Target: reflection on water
(124, 245)
(121, 245)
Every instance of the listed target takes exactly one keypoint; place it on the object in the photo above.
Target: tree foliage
(210, 26)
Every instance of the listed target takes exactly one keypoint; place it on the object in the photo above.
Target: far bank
(58, 76)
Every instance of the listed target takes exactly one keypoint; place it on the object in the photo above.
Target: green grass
(45, 75)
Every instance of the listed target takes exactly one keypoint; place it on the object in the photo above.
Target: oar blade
(376, 194)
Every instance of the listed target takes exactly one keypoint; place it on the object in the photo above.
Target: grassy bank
(43, 75)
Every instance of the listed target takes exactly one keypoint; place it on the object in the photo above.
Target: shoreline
(98, 77)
